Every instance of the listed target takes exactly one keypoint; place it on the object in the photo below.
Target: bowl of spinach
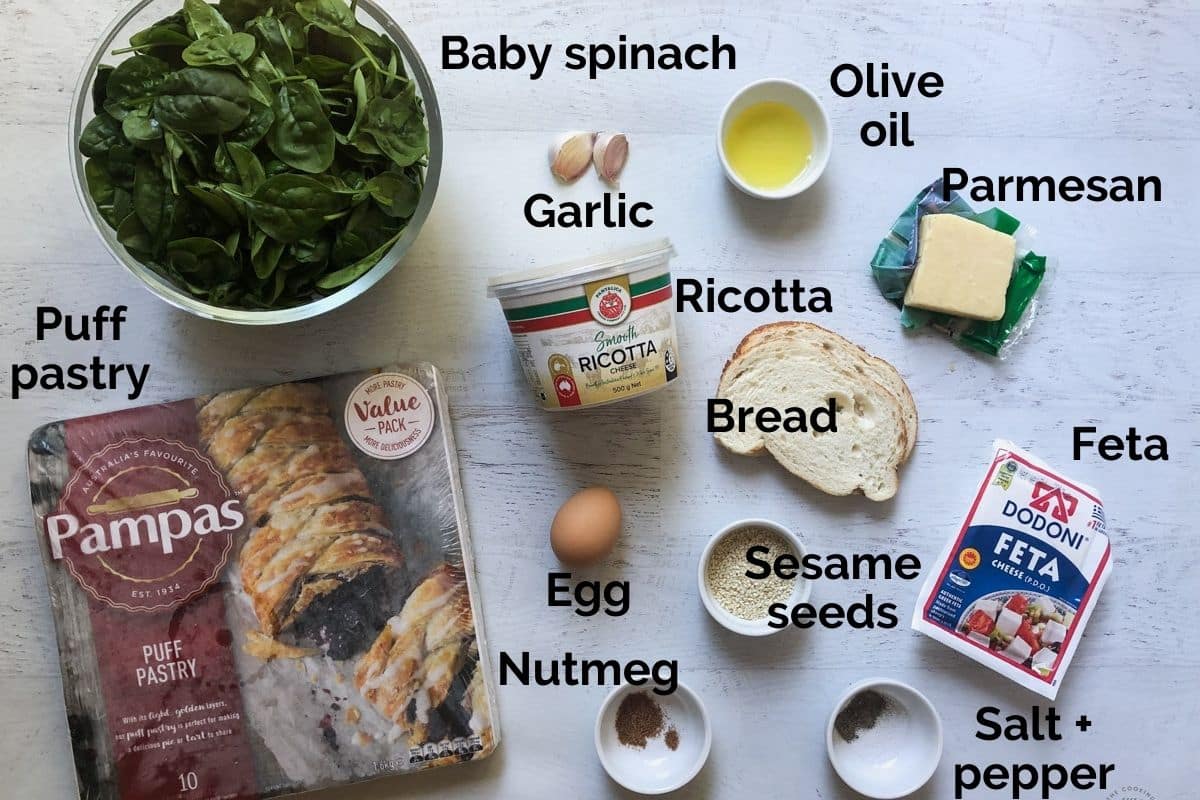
(256, 161)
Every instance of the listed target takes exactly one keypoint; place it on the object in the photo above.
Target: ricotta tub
(596, 330)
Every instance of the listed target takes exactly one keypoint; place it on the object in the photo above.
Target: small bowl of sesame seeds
(750, 576)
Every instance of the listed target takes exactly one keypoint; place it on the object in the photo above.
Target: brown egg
(586, 527)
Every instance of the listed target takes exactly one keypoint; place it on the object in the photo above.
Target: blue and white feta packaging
(1015, 587)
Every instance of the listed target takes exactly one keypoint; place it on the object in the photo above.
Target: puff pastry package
(264, 591)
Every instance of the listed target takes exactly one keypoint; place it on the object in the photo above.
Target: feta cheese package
(264, 591)
(1016, 585)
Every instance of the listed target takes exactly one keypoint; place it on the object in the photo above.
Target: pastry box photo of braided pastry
(264, 591)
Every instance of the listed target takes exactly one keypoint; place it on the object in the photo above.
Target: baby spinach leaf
(311, 251)
(348, 248)
(153, 201)
(187, 144)
(134, 83)
(142, 129)
(267, 258)
(133, 235)
(100, 136)
(274, 43)
(224, 166)
(225, 50)
(204, 20)
(232, 241)
(170, 32)
(291, 207)
(202, 101)
(273, 166)
(122, 159)
(397, 126)
(249, 168)
(362, 99)
(347, 275)
(331, 16)
(396, 192)
(257, 123)
(100, 187)
(339, 47)
(337, 19)
(302, 136)
(323, 69)
(239, 12)
(122, 205)
(201, 261)
(294, 31)
(395, 71)
(218, 204)
(100, 88)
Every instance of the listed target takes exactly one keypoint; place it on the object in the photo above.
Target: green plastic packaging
(896, 257)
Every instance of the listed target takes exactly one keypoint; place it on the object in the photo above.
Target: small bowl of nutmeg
(750, 576)
(653, 739)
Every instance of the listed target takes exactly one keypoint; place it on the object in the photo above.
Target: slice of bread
(803, 365)
(853, 357)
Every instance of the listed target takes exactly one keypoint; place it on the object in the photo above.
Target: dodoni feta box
(1015, 587)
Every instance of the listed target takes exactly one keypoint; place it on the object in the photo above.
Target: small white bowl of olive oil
(774, 139)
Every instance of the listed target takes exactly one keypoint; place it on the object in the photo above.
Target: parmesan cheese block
(963, 268)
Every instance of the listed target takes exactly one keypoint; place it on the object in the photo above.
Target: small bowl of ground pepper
(652, 743)
(748, 568)
(884, 739)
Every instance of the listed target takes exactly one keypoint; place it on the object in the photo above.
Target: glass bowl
(145, 13)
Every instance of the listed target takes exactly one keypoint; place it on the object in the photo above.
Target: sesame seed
(725, 574)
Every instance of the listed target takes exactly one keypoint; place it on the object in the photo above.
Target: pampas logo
(145, 524)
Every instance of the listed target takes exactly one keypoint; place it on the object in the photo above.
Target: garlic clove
(609, 154)
(571, 155)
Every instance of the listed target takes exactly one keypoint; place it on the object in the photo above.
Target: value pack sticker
(1016, 586)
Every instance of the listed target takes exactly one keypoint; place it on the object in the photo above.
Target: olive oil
(768, 145)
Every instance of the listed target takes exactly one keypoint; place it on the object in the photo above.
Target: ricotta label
(598, 342)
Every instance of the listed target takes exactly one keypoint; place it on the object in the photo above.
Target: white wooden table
(1101, 87)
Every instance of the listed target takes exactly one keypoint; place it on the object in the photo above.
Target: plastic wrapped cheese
(896, 259)
(1033, 541)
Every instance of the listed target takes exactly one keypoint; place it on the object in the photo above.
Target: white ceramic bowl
(656, 768)
(748, 627)
(802, 100)
(896, 757)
